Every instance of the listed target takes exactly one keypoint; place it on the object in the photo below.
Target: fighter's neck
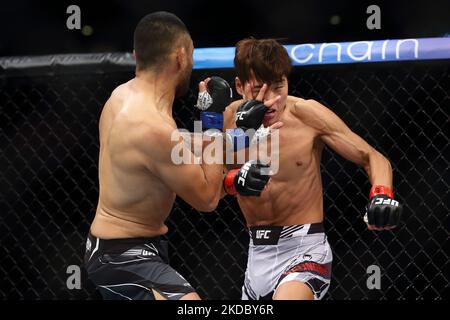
(157, 87)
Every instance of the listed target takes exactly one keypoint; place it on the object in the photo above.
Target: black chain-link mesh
(49, 186)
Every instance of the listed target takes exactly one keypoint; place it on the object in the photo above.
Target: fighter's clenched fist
(382, 212)
(249, 180)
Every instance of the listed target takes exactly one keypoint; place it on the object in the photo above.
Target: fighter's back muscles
(138, 179)
(153, 141)
(198, 184)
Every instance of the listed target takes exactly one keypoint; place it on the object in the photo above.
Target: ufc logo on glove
(392, 202)
(240, 115)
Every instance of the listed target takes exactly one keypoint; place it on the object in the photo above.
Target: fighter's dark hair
(155, 36)
(265, 59)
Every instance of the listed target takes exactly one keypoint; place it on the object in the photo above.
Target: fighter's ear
(239, 87)
(181, 56)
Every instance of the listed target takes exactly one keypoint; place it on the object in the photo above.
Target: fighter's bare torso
(294, 193)
(133, 202)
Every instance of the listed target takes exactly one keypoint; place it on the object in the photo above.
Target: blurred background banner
(340, 52)
(301, 54)
(370, 51)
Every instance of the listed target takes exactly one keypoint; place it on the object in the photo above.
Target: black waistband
(269, 235)
(316, 228)
(120, 245)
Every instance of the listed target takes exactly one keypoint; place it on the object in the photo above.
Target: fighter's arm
(338, 136)
(382, 212)
(247, 180)
(200, 185)
(229, 115)
(229, 122)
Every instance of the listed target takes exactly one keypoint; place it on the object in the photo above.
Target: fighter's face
(279, 88)
(185, 74)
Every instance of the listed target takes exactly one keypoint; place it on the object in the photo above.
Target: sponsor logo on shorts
(262, 234)
(267, 235)
(147, 253)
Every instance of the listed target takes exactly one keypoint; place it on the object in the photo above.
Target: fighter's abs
(294, 194)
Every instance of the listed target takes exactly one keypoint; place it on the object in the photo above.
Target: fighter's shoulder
(304, 107)
(309, 111)
(119, 93)
(307, 108)
(115, 101)
(112, 106)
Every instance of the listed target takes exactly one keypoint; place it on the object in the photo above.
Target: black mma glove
(382, 211)
(213, 102)
(250, 115)
(249, 180)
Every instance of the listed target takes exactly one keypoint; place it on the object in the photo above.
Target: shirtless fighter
(125, 257)
(289, 255)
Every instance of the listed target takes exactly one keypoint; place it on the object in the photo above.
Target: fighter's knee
(157, 295)
(293, 290)
(191, 296)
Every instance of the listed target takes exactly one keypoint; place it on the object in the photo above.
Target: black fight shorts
(133, 269)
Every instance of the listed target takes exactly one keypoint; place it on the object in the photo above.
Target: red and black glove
(249, 180)
(382, 212)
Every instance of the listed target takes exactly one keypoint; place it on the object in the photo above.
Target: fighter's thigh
(293, 290)
(168, 284)
(140, 279)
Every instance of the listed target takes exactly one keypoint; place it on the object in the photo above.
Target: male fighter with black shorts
(289, 255)
(125, 257)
